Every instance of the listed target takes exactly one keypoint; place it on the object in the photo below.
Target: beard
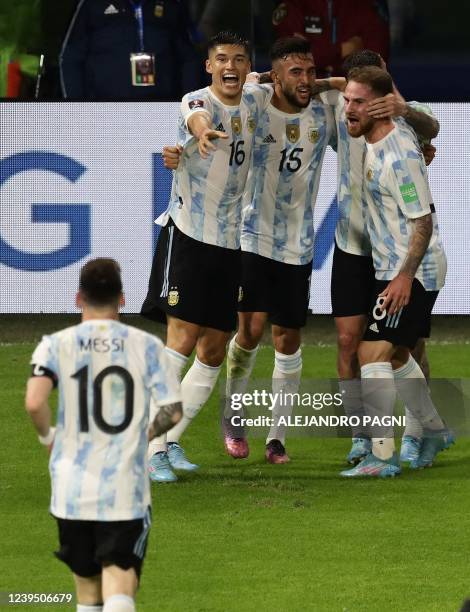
(292, 99)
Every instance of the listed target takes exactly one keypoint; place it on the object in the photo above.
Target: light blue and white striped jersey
(351, 232)
(397, 191)
(283, 183)
(107, 373)
(206, 198)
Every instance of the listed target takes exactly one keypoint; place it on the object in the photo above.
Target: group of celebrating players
(236, 246)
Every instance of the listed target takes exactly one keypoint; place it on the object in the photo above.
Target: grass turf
(244, 535)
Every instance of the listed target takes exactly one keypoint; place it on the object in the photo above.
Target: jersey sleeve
(333, 97)
(161, 378)
(44, 360)
(196, 102)
(261, 94)
(408, 185)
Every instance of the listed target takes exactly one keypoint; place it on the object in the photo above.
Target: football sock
(379, 394)
(240, 362)
(286, 379)
(177, 360)
(196, 388)
(351, 392)
(413, 427)
(83, 608)
(119, 603)
(414, 391)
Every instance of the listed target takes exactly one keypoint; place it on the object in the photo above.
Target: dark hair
(228, 38)
(361, 59)
(378, 80)
(292, 45)
(100, 281)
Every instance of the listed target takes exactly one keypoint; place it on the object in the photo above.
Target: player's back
(105, 371)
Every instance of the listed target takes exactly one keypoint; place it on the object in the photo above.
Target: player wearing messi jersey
(106, 373)
(410, 267)
(353, 273)
(196, 269)
(278, 235)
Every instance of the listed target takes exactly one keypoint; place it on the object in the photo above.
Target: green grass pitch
(242, 536)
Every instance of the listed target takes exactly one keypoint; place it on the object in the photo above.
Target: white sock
(351, 392)
(119, 603)
(413, 427)
(196, 388)
(177, 360)
(414, 391)
(379, 394)
(83, 608)
(240, 363)
(286, 380)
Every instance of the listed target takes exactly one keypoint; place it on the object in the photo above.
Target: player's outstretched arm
(397, 292)
(166, 418)
(36, 403)
(200, 127)
(171, 156)
(321, 85)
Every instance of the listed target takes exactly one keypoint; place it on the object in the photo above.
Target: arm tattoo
(425, 126)
(418, 244)
(167, 417)
(320, 86)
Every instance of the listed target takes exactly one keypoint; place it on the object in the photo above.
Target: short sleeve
(333, 97)
(196, 102)
(408, 185)
(44, 356)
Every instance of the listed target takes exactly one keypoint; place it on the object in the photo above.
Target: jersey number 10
(82, 377)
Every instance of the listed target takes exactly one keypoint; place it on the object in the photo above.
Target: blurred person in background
(129, 50)
(335, 28)
(19, 59)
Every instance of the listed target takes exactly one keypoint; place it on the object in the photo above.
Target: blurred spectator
(129, 50)
(19, 34)
(335, 28)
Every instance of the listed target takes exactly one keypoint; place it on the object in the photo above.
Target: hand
(353, 45)
(391, 105)
(252, 77)
(429, 152)
(205, 145)
(397, 294)
(171, 156)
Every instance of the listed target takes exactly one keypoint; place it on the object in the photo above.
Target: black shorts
(352, 283)
(193, 281)
(88, 546)
(410, 323)
(280, 289)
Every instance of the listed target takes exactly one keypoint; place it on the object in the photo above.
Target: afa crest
(236, 125)
(240, 294)
(370, 174)
(313, 135)
(292, 132)
(173, 297)
(251, 124)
